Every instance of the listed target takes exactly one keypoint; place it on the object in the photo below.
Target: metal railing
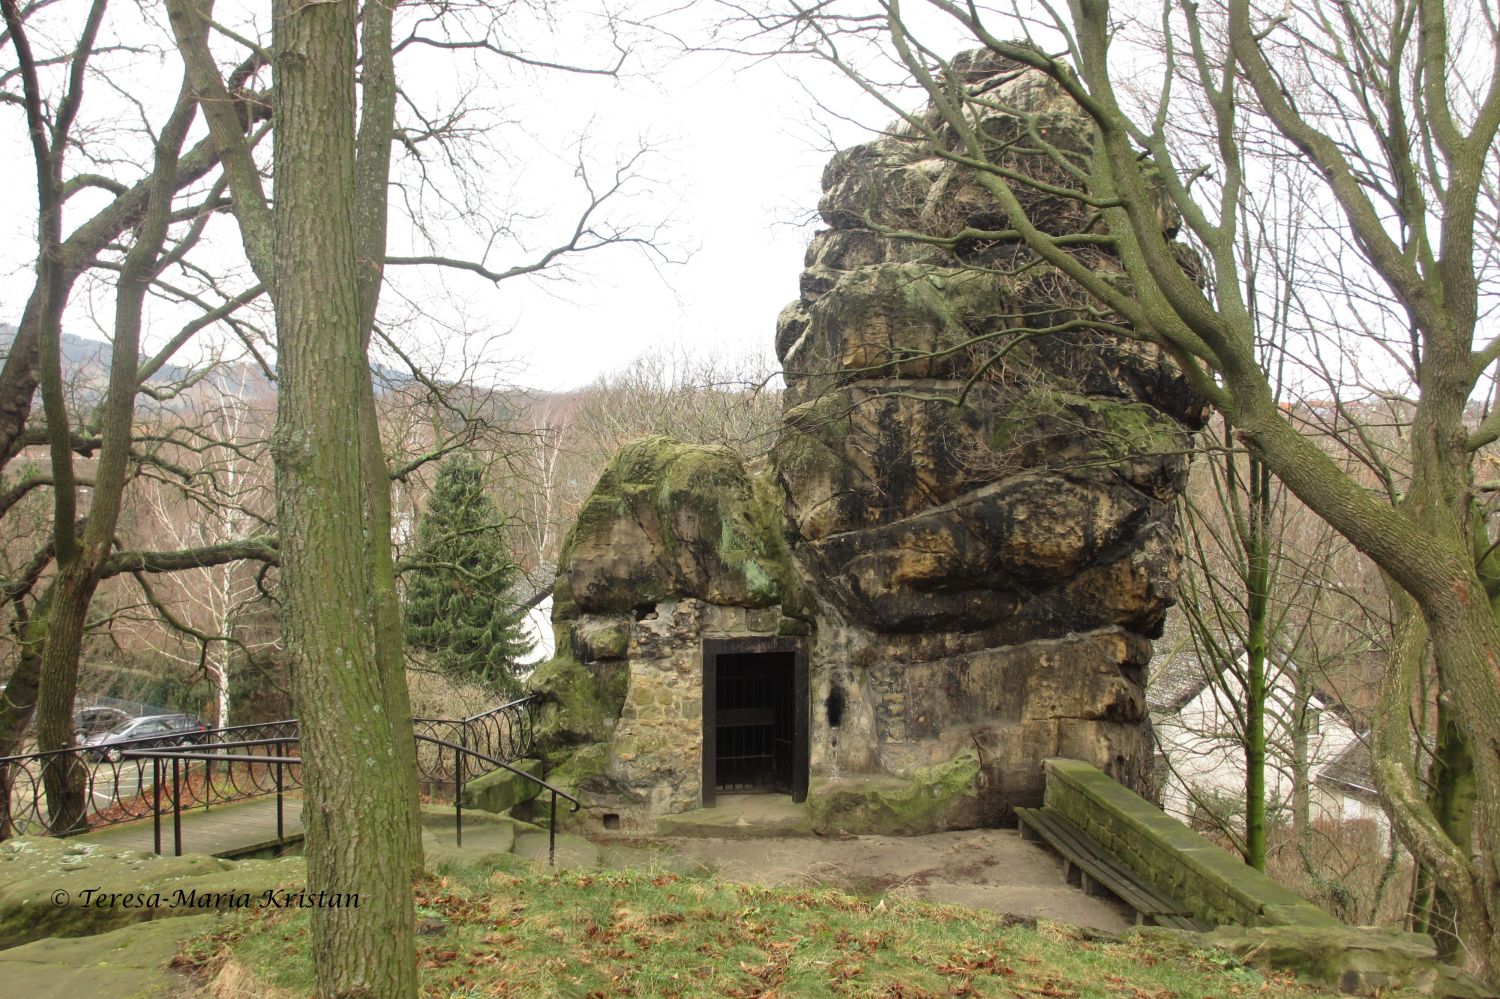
(506, 732)
(461, 757)
(107, 785)
(100, 786)
(278, 765)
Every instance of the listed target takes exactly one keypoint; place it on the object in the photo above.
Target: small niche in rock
(611, 822)
(643, 611)
(835, 706)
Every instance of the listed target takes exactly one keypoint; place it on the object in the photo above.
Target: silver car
(150, 732)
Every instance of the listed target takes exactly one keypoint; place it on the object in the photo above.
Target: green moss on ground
(32, 869)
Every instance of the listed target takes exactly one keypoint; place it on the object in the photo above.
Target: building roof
(535, 586)
(1351, 772)
(1176, 677)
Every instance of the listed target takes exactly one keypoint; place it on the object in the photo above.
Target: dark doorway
(754, 717)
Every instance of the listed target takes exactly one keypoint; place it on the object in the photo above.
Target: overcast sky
(733, 175)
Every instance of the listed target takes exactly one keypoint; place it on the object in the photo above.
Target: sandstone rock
(501, 790)
(1355, 960)
(580, 704)
(599, 637)
(670, 520)
(932, 799)
(33, 870)
(967, 510)
(131, 961)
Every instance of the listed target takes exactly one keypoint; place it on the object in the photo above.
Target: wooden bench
(1087, 864)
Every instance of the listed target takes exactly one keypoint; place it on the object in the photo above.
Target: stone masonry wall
(658, 744)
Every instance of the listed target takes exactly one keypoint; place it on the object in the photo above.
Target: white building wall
(1206, 759)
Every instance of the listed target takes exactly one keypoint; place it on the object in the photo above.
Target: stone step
(129, 961)
(740, 816)
(486, 836)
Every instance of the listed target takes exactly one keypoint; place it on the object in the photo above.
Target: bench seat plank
(1084, 852)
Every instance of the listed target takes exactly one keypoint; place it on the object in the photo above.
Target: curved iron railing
(103, 786)
(506, 732)
(488, 764)
(167, 774)
(116, 783)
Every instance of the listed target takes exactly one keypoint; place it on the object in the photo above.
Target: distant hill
(86, 362)
(86, 371)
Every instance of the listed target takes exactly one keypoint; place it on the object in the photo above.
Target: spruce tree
(460, 608)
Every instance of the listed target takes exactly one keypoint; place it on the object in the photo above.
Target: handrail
(179, 753)
(458, 795)
(110, 783)
(204, 738)
(518, 702)
(112, 780)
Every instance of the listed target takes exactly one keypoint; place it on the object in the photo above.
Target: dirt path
(984, 868)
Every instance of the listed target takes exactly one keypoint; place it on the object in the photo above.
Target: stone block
(1171, 856)
(501, 790)
(930, 799)
(1356, 960)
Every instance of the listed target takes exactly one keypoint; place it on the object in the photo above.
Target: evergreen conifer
(460, 603)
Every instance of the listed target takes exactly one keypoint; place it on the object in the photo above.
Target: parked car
(150, 732)
(94, 720)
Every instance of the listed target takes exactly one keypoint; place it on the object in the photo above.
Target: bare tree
(81, 549)
(1402, 141)
(327, 229)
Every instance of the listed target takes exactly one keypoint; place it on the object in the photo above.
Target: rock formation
(967, 511)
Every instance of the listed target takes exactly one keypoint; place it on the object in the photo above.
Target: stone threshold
(740, 816)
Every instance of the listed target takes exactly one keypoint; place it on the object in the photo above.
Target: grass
(498, 933)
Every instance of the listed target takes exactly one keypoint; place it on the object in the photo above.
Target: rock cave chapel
(953, 560)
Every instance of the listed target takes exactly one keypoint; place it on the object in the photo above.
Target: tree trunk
(1257, 542)
(358, 806)
(372, 179)
(1301, 759)
(1452, 797)
(1426, 550)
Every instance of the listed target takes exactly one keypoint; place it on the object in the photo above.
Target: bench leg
(1071, 874)
(1028, 834)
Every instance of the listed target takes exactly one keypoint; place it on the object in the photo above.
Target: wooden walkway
(232, 830)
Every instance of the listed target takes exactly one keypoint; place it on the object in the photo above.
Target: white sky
(736, 166)
(738, 151)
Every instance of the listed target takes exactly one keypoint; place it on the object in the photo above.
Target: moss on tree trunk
(358, 810)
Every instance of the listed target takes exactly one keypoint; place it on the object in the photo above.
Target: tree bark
(372, 178)
(358, 808)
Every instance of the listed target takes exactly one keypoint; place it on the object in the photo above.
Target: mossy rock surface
(501, 790)
(1355, 960)
(669, 519)
(35, 870)
(598, 638)
(488, 839)
(930, 799)
(580, 704)
(125, 963)
(1052, 427)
